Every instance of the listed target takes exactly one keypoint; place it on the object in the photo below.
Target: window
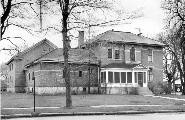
(110, 77)
(117, 54)
(33, 76)
(63, 74)
(123, 77)
(12, 66)
(150, 75)
(80, 73)
(136, 77)
(29, 76)
(103, 77)
(129, 77)
(117, 77)
(149, 55)
(132, 54)
(109, 53)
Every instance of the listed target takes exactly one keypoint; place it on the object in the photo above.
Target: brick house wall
(156, 64)
(141, 56)
(18, 75)
(49, 78)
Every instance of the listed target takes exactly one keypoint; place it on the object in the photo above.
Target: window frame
(108, 55)
(150, 55)
(80, 73)
(115, 57)
(112, 77)
(132, 54)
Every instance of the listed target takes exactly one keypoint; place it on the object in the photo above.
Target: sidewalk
(91, 110)
(170, 98)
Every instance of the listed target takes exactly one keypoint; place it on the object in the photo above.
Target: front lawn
(26, 100)
(83, 103)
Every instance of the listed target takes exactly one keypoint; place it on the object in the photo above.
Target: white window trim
(152, 56)
(115, 54)
(134, 55)
(112, 53)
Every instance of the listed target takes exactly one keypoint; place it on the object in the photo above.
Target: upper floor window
(117, 54)
(109, 53)
(150, 55)
(132, 54)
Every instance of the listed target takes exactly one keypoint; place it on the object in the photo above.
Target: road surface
(156, 116)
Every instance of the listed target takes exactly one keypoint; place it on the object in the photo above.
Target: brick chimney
(80, 38)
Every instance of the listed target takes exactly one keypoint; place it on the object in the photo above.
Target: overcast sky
(150, 24)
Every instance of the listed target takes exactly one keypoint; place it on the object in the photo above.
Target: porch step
(144, 91)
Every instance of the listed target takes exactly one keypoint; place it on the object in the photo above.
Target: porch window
(103, 77)
(109, 53)
(117, 54)
(136, 76)
(132, 54)
(123, 77)
(149, 55)
(129, 77)
(117, 77)
(110, 77)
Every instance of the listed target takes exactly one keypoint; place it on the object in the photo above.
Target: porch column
(133, 80)
(106, 76)
(146, 77)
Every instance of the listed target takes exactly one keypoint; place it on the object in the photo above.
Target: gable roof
(125, 37)
(18, 55)
(76, 55)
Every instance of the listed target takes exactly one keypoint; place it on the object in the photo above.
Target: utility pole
(33, 93)
(89, 68)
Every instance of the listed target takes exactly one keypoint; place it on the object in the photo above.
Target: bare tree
(75, 16)
(176, 24)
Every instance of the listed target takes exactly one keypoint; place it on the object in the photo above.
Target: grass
(82, 103)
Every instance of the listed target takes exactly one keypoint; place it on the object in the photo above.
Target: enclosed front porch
(121, 80)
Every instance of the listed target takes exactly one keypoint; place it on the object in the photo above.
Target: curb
(88, 113)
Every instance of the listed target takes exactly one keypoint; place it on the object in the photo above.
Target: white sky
(150, 24)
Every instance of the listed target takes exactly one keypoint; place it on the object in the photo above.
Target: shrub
(158, 87)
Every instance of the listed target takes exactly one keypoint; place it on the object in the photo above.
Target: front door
(140, 79)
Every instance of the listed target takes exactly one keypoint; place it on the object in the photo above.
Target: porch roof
(125, 65)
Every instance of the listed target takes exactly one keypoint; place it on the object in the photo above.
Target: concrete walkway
(24, 108)
(170, 98)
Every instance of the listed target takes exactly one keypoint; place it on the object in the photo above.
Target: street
(156, 116)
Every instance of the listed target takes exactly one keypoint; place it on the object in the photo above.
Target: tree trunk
(66, 48)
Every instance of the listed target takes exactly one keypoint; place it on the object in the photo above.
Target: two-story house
(115, 61)
(127, 60)
(16, 75)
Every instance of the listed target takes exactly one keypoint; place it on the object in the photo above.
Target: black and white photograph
(92, 59)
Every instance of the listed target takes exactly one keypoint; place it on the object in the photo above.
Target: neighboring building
(43, 63)
(16, 76)
(118, 62)
(127, 60)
